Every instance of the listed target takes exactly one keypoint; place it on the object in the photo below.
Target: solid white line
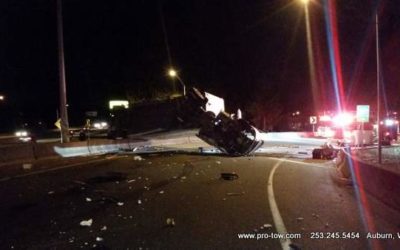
(278, 221)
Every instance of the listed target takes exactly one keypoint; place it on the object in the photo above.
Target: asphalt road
(170, 201)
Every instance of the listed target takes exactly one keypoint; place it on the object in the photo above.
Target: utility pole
(61, 65)
(378, 84)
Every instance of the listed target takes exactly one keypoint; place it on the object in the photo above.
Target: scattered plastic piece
(86, 223)
(139, 202)
(98, 239)
(138, 158)
(104, 228)
(161, 192)
(120, 203)
(300, 219)
(88, 199)
(170, 222)
(51, 192)
(235, 194)
(27, 166)
(218, 162)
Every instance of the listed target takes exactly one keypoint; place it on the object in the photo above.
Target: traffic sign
(313, 120)
(362, 113)
(58, 124)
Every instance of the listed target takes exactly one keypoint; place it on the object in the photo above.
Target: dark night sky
(230, 48)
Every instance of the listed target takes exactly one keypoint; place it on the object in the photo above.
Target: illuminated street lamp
(173, 74)
(310, 54)
(2, 97)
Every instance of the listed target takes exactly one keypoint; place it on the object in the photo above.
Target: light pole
(63, 88)
(173, 74)
(378, 98)
(310, 54)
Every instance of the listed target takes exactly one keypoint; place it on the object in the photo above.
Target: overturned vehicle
(233, 136)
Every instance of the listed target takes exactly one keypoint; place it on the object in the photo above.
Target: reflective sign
(313, 120)
(362, 113)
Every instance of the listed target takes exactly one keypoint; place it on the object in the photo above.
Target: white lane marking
(55, 169)
(278, 221)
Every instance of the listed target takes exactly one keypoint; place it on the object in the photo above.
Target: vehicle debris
(326, 152)
(98, 239)
(104, 228)
(138, 158)
(170, 222)
(120, 203)
(300, 219)
(235, 194)
(27, 166)
(229, 176)
(266, 226)
(88, 199)
(86, 223)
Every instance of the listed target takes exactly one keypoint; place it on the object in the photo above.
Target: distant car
(23, 135)
(97, 128)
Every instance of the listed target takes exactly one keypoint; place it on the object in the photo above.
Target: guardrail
(384, 185)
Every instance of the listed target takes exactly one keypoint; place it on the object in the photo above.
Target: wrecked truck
(230, 135)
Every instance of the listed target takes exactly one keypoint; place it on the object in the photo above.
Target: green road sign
(363, 113)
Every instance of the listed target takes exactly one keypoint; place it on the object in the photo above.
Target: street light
(173, 74)
(310, 54)
(2, 97)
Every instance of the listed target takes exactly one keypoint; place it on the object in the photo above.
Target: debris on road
(104, 228)
(27, 166)
(327, 225)
(218, 162)
(300, 219)
(229, 176)
(170, 222)
(88, 199)
(138, 158)
(139, 202)
(120, 203)
(98, 239)
(161, 192)
(129, 181)
(51, 192)
(86, 223)
(294, 246)
(266, 226)
(326, 152)
(183, 178)
(315, 216)
(235, 194)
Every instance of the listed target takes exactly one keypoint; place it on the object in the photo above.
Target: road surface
(170, 201)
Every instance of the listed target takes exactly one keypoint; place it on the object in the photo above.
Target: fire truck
(345, 129)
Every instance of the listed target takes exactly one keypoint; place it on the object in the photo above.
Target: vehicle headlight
(21, 133)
